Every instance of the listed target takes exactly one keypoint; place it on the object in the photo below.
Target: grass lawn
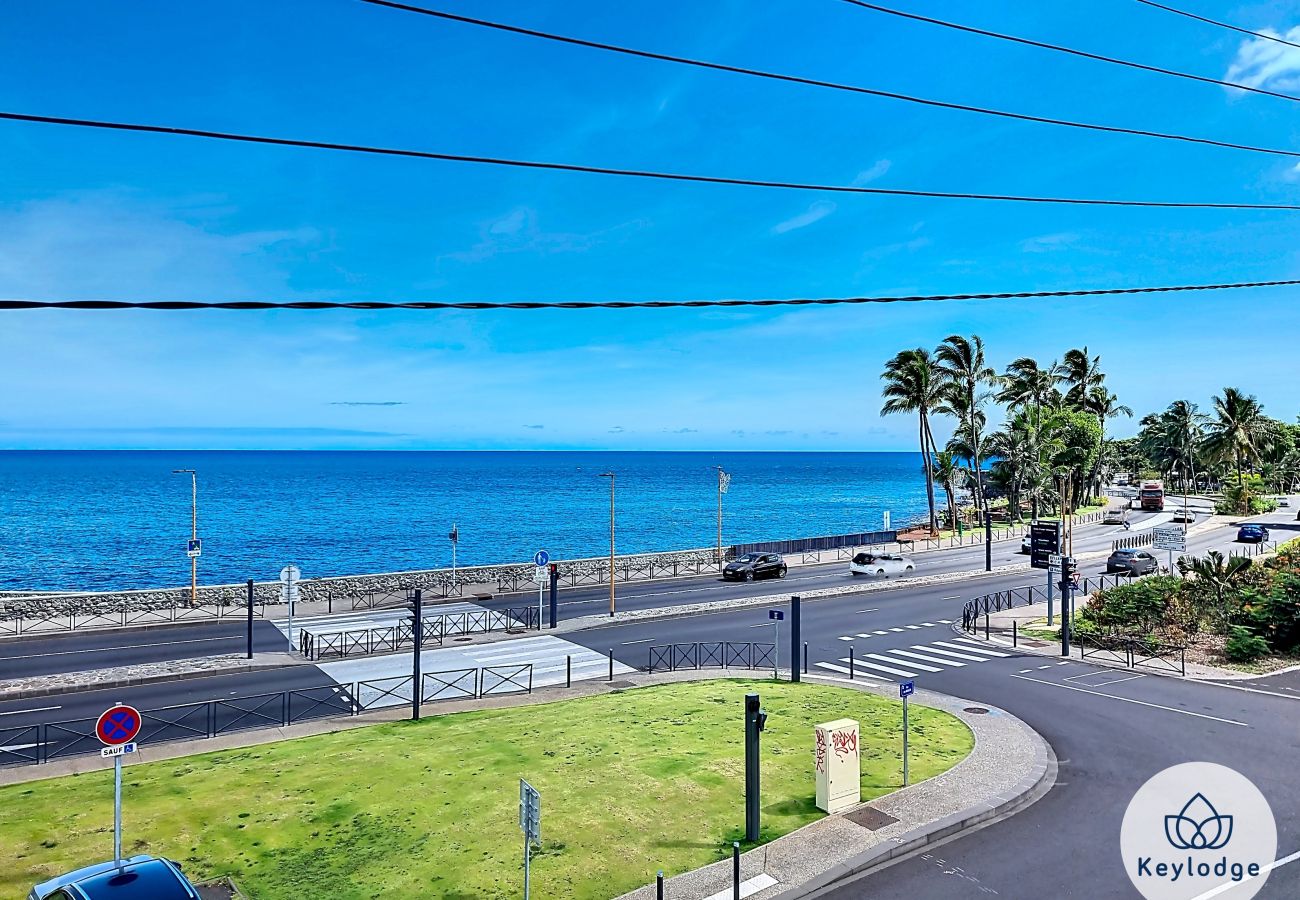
(631, 782)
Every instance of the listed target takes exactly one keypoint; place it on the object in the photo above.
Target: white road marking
(846, 637)
(1263, 870)
(927, 624)
(912, 627)
(944, 662)
(930, 648)
(880, 632)
(642, 641)
(914, 665)
(946, 621)
(14, 748)
(972, 647)
(1083, 690)
(843, 670)
(873, 609)
(899, 630)
(902, 672)
(748, 888)
(230, 637)
(1023, 671)
(19, 712)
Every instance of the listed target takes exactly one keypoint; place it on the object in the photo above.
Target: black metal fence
(711, 654)
(1134, 652)
(23, 624)
(831, 542)
(35, 744)
(974, 610)
(400, 636)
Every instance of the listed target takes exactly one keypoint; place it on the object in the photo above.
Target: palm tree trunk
(929, 473)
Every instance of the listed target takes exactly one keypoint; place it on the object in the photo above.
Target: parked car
(880, 564)
(1132, 562)
(141, 877)
(1184, 516)
(755, 565)
(1252, 534)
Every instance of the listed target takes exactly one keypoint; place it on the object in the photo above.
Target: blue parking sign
(776, 615)
(906, 688)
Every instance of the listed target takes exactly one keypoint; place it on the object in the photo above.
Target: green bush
(1139, 607)
(1244, 647)
(1246, 499)
(1274, 613)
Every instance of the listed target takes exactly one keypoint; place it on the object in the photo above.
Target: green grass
(631, 782)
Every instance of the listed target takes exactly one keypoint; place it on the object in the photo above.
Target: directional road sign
(541, 558)
(906, 688)
(117, 725)
(530, 811)
(1044, 541)
(194, 548)
(776, 615)
(1054, 560)
(1170, 538)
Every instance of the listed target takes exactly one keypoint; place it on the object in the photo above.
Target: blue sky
(98, 215)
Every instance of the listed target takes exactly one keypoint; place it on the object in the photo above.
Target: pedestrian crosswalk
(369, 618)
(865, 635)
(917, 659)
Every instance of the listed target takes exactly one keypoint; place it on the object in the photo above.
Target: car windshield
(749, 558)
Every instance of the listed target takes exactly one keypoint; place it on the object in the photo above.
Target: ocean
(116, 520)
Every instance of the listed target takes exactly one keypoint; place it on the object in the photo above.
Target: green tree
(914, 385)
(1238, 432)
(961, 360)
(1071, 443)
(1219, 574)
(1104, 405)
(1083, 374)
(945, 473)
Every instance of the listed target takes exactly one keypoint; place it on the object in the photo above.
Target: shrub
(1140, 606)
(1274, 612)
(1244, 647)
(1247, 499)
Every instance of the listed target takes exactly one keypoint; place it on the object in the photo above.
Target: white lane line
(949, 598)
(914, 665)
(912, 627)
(1048, 666)
(1023, 671)
(1063, 664)
(19, 712)
(642, 641)
(971, 648)
(928, 648)
(14, 748)
(930, 659)
(748, 888)
(927, 624)
(1263, 870)
(902, 672)
(846, 637)
(1173, 709)
(873, 609)
(946, 621)
(230, 637)
(843, 670)
(880, 632)
(898, 630)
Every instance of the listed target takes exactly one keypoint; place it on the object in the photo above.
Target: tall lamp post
(724, 481)
(194, 529)
(610, 476)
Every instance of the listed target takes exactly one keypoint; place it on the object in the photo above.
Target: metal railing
(711, 654)
(1028, 595)
(1142, 539)
(400, 636)
(37, 744)
(181, 612)
(1134, 651)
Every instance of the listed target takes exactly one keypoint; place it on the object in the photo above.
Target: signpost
(540, 575)
(776, 615)
(1044, 542)
(530, 822)
(116, 729)
(289, 576)
(454, 537)
(1171, 538)
(905, 690)
(194, 548)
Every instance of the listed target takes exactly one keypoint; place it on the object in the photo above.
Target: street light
(194, 530)
(724, 481)
(610, 476)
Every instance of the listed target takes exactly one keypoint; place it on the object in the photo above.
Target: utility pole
(988, 539)
(454, 537)
(724, 482)
(755, 722)
(610, 476)
(794, 639)
(417, 630)
(194, 530)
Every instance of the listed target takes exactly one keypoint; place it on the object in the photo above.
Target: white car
(1026, 544)
(880, 564)
(1283, 501)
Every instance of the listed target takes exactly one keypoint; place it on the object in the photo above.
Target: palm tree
(1239, 431)
(961, 361)
(1173, 438)
(914, 385)
(945, 472)
(1015, 446)
(1219, 573)
(1026, 383)
(1104, 405)
(1082, 373)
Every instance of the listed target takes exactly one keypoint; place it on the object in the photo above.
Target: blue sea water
(105, 520)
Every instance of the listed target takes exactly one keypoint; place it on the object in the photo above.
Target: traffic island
(632, 781)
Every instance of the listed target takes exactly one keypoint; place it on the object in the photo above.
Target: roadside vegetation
(1051, 455)
(1224, 609)
(631, 782)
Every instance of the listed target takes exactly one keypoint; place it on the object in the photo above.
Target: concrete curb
(55, 690)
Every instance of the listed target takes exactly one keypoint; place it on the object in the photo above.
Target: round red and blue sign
(118, 725)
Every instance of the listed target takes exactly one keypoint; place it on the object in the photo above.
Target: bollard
(659, 885)
(986, 626)
(568, 671)
(805, 657)
(611, 663)
(735, 870)
(850, 662)
(1015, 633)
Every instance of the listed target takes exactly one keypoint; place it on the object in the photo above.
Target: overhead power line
(1070, 50)
(818, 83)
(138, 127)
(1227, 25)
(613, 304)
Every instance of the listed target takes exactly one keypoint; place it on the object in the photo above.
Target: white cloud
(520, 231)
(866, 176)
(1261, 63)
(816, 212)
(1292, 174)
(1047, 243)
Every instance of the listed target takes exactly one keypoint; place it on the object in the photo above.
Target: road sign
(1054, 560)
(906, 688)
(119, 724)
(119, 750)
(1170, 538)
(776, 615)
(194, 548)
(541, 558)
(530, 811)
(541, 575)
(290, 574)
(1044, 541)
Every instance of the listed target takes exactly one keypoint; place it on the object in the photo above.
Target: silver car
(865, 563)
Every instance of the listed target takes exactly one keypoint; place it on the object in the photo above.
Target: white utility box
(838, 763)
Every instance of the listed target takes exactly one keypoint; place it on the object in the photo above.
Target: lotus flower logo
(1198, 826)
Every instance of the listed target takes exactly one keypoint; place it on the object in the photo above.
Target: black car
(1132, 562)
(755, 565)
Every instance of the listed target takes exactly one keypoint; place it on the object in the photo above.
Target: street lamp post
(194, 529)
(724, 481)
(610, 476)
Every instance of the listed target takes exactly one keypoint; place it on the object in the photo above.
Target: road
(1111, 730)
